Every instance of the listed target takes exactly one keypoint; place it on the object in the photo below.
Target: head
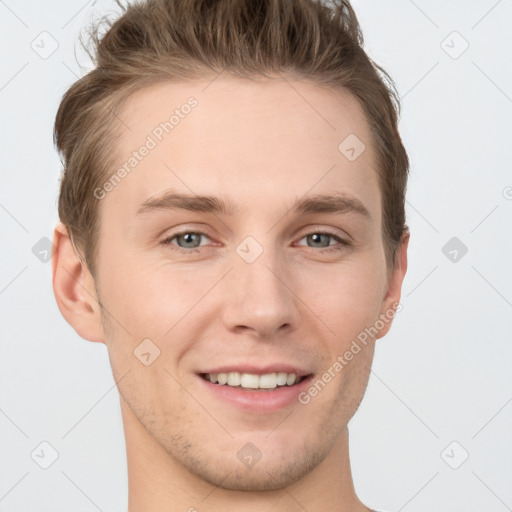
(256, 111)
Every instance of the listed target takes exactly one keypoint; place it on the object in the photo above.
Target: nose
(260, 299)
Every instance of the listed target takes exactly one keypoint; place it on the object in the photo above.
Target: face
(280, 280)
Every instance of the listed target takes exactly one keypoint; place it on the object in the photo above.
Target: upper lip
(258, 370)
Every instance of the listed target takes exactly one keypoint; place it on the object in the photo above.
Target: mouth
(255, 382)
(253, 388)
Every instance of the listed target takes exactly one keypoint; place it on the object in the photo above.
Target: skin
(260, 145)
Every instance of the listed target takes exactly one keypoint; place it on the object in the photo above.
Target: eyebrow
(320, 203)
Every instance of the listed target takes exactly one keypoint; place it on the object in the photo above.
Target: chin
(277, 469)
(266, 477)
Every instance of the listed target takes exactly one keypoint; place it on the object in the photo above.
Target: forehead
(269, 140)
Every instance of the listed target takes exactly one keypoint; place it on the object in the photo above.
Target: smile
(267, 381)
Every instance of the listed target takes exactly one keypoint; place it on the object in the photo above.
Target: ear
(73, 286)
(394, 290)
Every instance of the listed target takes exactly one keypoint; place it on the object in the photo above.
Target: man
(233, 230)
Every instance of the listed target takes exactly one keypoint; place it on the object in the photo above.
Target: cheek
(160, 302)
(146, 297)
(347, 297)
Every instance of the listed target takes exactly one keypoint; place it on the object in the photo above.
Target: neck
(157, 482)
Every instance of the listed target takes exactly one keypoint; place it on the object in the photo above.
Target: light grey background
(443, 373)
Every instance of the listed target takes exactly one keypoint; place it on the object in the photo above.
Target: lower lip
(254, 400)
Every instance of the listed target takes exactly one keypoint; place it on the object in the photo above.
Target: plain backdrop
(434, 431)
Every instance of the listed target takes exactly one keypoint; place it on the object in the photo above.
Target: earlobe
(394, 289)
(73, 287)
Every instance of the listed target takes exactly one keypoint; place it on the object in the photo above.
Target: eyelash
(342, 243)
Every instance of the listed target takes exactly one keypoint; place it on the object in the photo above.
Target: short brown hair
(173, 40)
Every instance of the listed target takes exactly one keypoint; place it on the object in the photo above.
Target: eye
(316, 238)
(187, 241)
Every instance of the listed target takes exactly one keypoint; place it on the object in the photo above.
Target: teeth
(247, 380)
(281, 379)
(290, 379)
(268, 381)
(233, 379)
(253, 381)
